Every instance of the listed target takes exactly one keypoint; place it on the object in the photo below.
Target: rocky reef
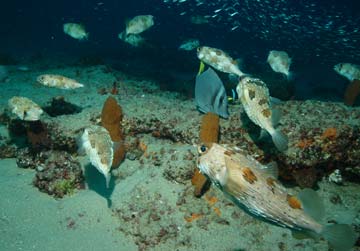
(57, 172)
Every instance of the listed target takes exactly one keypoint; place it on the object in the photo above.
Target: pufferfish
(280, 61)
(139, 24)
(348, 70)
(255, 189)
(58, 81)
(76, 31)
(255, 98)
(96, 143)
(219, 60)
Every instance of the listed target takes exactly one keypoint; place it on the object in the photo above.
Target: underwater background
(53, 197)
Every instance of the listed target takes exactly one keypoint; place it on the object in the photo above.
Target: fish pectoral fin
(275, 117)
(312, 204)
(269, 170)
(272, 169)
(275, 101)
(301, 235)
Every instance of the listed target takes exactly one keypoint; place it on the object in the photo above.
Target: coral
(352, 92)
(329, 133)
(58, 173)
(111, 117)
(209, 132)
(64, 187)
(7, 151)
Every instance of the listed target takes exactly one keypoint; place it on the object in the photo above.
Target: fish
(255, 188)
(76, 31)
(255, 98)
(96, 143)
(58, 81)
(219, 60)
(210, 94)
(139, 24)
(25, 108)
(280, 62)
(348, 70)
(199, 20)
(189, 45)
(333, 30)
(135, 40)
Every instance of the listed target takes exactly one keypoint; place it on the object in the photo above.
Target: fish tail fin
(290, 77)
(340, 236)
(107, 179)
(280, 140)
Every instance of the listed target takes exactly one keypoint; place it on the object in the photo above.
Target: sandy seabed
(150, 204)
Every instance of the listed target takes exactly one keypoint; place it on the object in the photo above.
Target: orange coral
(305, 143)
(217, 211)
(211, 200)
(352, 92)
(209, 130)
(194, 216)
(209, 133)
(111, 117)
(329, 133)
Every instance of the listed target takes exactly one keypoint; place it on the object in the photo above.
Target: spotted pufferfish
(219, 60)
(255, 98)
(254, 188)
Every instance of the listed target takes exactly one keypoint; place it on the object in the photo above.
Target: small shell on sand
(58, 81)
(25, 108)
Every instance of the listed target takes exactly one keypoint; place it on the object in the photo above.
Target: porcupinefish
(139, 24)
(254, 188)
(76, 31)
(97, 144)
(135, 40)
(58, 81)
(255, 98)
(347, 70)
(189, 45)
(219, 60)
(25, 108)
(280, 62)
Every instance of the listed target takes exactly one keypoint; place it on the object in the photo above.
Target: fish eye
(203, 149)
(198, 49)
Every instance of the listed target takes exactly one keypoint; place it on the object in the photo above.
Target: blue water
(316, 34)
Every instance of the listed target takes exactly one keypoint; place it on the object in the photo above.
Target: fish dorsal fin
(312, 204)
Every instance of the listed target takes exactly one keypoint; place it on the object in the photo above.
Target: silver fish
(254, 188)
(255, 98)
